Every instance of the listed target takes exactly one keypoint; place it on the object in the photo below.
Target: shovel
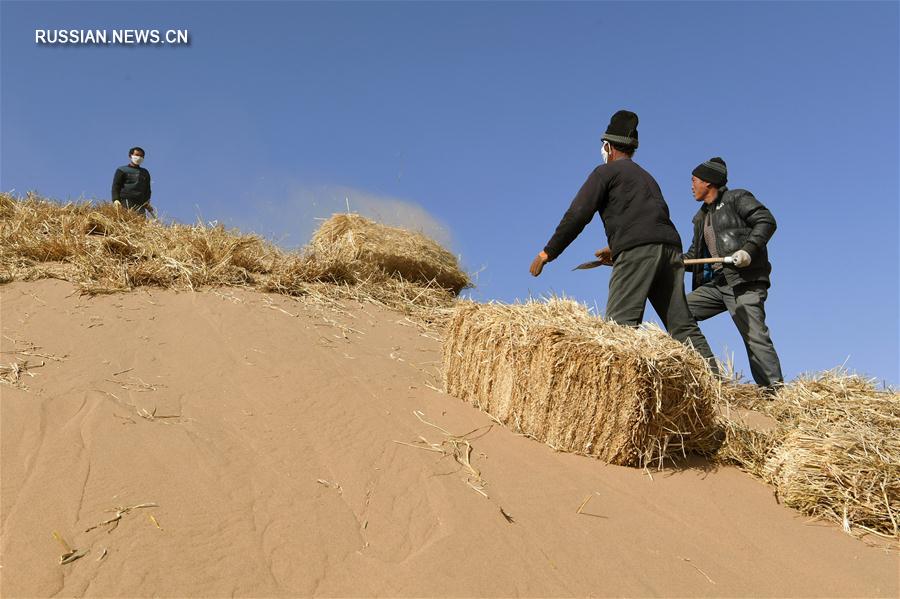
(689, 262)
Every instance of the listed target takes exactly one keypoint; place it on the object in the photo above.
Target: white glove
(117, 203)
(741, 259)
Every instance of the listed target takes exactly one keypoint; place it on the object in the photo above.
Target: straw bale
(834, 453)
(840, 456)
(371, 247)
(628, 396)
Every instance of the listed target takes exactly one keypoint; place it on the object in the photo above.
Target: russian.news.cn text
(112, 36)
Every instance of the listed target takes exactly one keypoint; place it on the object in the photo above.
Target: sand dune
(264, 429)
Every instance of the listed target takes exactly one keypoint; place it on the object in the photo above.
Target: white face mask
(604, 151)
(135, 159)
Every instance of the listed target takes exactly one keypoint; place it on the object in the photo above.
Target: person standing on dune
(131, 184)
(733, 222)
(644, 246)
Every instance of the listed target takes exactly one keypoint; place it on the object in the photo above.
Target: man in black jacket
(131, 184)
(644, 246)
(731, 222)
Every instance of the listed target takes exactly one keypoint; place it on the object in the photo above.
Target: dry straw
(550, 370)
(373, 249)
(547, 369)
(105, 250)
(834, 453)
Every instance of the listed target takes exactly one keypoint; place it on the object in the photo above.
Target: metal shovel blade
(587, 265)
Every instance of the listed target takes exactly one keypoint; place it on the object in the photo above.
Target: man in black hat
(131, 184)
(731, 222)
(644, 246)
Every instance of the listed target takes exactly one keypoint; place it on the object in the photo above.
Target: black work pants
(654, 271)
(746, 304)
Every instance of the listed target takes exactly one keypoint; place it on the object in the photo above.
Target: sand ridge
(266, 434)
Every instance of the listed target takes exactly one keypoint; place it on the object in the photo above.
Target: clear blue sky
(479, 121)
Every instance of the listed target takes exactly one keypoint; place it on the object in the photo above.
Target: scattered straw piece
(69, 554)
(690, 563)
(459, 447)
(76, 554)
(12, 373)
(155, 522)
(331, 485)
(120, 512)
(583, 503)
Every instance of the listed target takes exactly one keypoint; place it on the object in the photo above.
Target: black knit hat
(712, 171)
(622, 129)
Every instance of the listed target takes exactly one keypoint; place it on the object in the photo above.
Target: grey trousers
(655, 272)
(746, 304)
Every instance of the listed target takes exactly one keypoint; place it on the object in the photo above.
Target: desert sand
(269, 434)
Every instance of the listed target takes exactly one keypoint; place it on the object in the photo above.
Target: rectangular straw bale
(374, 248)
(628, 396)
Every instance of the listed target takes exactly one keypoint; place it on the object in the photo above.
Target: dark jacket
(131, 185)
(741, 222)
(629, 202)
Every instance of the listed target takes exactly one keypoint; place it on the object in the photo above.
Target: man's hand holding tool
(741, 259)
(604, 256)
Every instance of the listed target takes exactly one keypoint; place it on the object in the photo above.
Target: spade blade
(587, 265)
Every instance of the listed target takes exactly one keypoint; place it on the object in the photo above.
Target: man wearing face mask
(644, 246)
(731, 222)
(131, 184)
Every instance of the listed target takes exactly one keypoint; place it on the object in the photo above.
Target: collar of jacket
(707, 207)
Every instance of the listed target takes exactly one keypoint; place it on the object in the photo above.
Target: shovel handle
(689, 262)
(725, 260)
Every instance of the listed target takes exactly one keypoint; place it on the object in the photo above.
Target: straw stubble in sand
(579, 384)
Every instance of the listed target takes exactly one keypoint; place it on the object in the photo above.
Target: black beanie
(622, 129)
(712, 171)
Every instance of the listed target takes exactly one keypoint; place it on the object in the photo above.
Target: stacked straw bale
(835, 453)
(372, 249)
(106, 250)
(580, 384)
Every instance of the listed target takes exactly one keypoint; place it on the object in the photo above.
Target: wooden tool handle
(693, 261)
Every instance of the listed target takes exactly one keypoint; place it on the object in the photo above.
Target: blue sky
(478, 122)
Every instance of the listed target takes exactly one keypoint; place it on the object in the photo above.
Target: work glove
(117, 203)
(537, 265)
(741, 259)
(604, 255)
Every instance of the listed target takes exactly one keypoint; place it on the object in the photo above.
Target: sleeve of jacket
(149, 183)
(758, 218)
(118, 181)
(580, 212)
